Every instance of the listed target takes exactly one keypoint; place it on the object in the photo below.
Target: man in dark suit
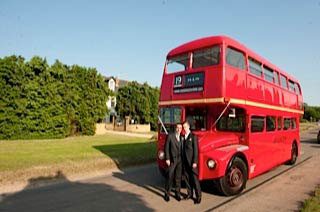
(173, 150)
(190, 163)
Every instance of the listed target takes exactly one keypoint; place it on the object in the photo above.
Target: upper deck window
(268, 74)
(276, 78)
(235, 58)
(291, 86)
(177, 63)
(255, 67)
(297, 88)
(283, 80)
(206, 57)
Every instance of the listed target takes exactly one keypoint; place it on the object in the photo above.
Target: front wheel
(294, 154)
(235, 178)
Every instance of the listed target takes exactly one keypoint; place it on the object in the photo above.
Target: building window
(235, 58)
(255, 67)
(271, 123)
(112, 85)
(257, 124)
(206, 57)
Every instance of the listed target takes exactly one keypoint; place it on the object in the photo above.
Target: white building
(114, 84)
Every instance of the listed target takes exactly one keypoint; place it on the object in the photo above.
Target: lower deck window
(271, 123)
(234, 124)
(286, 123)
(257, 123)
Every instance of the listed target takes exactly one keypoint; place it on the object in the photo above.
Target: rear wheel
(294, 154)
(318, 138)
(235, 178)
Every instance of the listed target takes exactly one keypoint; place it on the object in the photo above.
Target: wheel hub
(235, 177)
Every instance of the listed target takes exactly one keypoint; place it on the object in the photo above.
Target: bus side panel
(213, 83)
(235, 82)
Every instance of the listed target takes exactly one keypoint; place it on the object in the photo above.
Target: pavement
(141, 189)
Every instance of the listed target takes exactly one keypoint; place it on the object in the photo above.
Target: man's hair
(178, 124)
(186, 122)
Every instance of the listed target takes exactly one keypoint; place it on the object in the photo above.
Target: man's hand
(168, 162)
(194, 165)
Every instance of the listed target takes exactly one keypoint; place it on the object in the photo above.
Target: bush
(42, 101)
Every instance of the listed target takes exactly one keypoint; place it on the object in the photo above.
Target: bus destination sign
(188, 83)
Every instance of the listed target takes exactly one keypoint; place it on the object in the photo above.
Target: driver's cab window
(197, 118)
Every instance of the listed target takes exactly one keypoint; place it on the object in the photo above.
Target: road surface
(141, 189)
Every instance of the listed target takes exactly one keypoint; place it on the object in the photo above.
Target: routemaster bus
(244, 110)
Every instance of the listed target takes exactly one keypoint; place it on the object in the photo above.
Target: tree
(140, 102)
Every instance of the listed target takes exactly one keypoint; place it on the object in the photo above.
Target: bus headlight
(161, 155)
(211, 164)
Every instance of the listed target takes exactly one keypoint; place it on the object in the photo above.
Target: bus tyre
(318, 137)
(294, 154)
(235, 178)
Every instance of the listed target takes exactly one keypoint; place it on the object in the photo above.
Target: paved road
(141, 189)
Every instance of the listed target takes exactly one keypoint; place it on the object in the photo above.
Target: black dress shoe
(197, 200)
(188, 196)
(178, 197)
(166, 198)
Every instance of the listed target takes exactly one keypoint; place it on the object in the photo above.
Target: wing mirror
(232, 113)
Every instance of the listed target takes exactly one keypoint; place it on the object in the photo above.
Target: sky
(130, 39)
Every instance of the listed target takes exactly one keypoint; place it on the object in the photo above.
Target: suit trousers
(192, 182)
(174, 173)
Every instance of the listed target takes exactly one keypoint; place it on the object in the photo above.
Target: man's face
(178, 128)
(186, 127)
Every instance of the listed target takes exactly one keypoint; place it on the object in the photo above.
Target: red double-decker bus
(244, 110)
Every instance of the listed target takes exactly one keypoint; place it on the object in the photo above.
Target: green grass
(313, 203)
(31, 158)
(308, 126)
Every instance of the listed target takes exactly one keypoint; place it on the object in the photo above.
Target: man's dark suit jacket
(190, 152)
(173, 148)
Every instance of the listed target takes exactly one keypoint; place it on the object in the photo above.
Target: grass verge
(313, 203)
(24, 159)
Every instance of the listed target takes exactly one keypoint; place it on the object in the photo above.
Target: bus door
(261, 148)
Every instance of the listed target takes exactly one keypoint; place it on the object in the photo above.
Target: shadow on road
(71, 196)
(135, 154)
(310, 141)
(147, 178)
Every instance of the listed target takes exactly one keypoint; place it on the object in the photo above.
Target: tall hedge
(42, 101)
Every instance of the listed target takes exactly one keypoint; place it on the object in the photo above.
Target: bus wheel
(235, 178)
(294, 154)
(318, 138)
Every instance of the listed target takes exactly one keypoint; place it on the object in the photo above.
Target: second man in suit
(173, 150)
(190, 163)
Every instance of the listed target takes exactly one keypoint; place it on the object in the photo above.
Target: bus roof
(211, 40)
